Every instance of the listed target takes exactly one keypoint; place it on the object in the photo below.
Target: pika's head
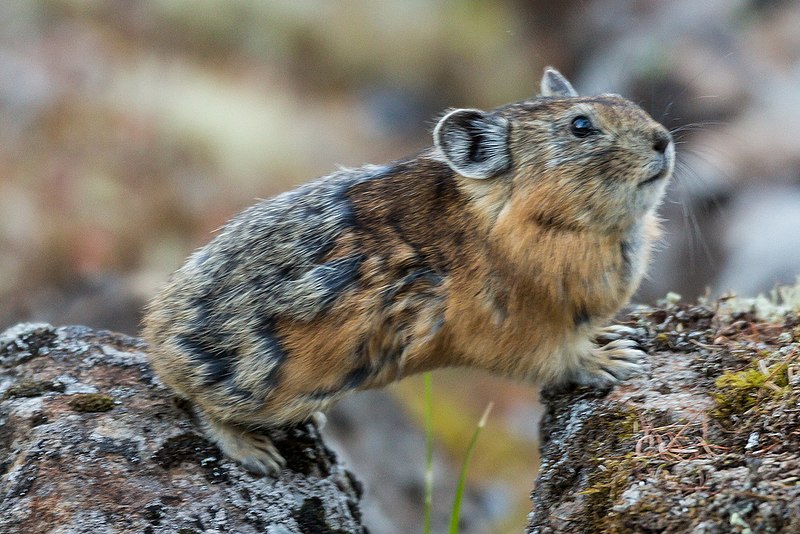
(564, 160)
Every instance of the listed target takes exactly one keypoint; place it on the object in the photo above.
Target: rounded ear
(474, 143)
(554, 84)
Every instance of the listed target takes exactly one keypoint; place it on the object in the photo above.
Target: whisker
(696, 238)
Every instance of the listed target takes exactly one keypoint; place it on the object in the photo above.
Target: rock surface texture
(706, 441)
(90, 441)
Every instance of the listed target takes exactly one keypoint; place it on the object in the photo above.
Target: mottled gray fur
(268, 262)
(277, 247)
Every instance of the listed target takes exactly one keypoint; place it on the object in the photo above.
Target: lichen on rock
(90, 441)
(706, 440)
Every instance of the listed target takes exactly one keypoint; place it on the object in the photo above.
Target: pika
(507, 247)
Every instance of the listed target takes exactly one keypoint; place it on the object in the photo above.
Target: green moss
(612, 432)
(610, 478)
(32, 388)
(740, 391)
(625, 424)
(622, 423)
(91, 402)
(607, 482)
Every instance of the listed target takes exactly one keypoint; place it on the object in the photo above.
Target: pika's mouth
(656, 177)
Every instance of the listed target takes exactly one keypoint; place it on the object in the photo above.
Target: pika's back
(292, 256)
(355, 242)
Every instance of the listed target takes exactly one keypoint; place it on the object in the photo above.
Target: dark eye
(581, 126)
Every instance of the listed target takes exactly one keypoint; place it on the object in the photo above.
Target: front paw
(610, 364)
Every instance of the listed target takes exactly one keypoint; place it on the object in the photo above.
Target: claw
(254, 451)
(614, 332)
(612, 363)
(621, 344)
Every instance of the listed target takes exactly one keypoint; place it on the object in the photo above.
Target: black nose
(661, 141)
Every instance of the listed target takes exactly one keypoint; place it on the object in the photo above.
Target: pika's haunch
(507, 247)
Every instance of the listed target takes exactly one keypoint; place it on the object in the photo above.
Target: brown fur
(367, 276)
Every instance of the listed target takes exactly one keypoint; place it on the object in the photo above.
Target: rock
(707, 440)
(91, 441)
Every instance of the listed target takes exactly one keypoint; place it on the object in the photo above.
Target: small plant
(428, 451)
(462, 479)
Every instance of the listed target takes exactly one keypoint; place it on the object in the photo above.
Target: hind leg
(254, 451)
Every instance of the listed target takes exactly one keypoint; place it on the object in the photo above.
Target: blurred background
(130, 130)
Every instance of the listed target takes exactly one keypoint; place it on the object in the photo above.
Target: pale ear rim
(556, 84)
(474, 143)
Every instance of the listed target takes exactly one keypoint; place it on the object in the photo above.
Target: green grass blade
(462, 479)
(428, 451)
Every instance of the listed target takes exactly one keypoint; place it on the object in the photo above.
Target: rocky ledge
(707, 440)
(90, 441)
